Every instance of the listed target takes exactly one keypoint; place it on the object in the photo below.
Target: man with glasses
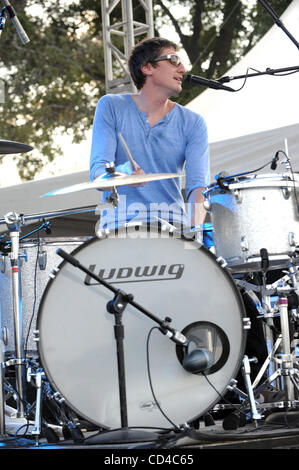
(161, 135)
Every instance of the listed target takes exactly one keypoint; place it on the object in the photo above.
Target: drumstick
(128, 152)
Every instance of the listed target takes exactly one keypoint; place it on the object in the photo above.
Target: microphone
(174, 335)
(274, 161)
(13, 16)
(197, 361)
(264, 259)
(208, 83)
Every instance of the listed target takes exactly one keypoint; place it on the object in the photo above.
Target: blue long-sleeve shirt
(176, 143)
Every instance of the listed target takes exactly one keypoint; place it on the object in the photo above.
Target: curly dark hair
(143, 53)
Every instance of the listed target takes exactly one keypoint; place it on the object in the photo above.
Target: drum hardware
(232, 387)
(238, 196)
(286, 370)
(41, 255)
(39, 375)
(2, 263)
(221, 261)
(246, 374)
(292, 239)
(13, 222)
(52, 215)
(2, 398)
(244, 243)
(247, 400)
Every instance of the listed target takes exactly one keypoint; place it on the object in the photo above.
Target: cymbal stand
(2, 399)
(286, 369)
(3, 18)
(13, 222)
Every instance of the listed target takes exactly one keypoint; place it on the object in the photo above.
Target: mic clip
(274, 161)
(221, 179)
(173, 334)
(119, 302)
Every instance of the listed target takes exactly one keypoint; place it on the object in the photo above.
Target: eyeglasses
(174, 59)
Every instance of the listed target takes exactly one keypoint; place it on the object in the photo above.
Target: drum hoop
(260, 181)
(52, 241)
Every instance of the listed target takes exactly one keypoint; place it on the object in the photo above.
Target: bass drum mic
(197, 361)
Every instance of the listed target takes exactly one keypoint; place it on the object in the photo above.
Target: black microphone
(175, 335)
(13, 16)
(208, 83)
(198, 360)
(264, 259)
(274, 161)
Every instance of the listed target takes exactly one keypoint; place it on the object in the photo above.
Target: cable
(150, 380)
(35, 294)
(222, 397)
(291, 168)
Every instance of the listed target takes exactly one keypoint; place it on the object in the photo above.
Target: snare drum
(37, 260)
(253, 212)
(168, 276)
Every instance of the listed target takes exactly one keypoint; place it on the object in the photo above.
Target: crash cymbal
(105, 182)
(7, 147)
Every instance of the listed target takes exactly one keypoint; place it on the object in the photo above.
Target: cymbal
(7, 147)
(105, 182)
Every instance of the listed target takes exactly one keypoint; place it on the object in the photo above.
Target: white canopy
(246, 128)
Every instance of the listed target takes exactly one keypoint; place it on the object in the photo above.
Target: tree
(219, 33)
(53, 83)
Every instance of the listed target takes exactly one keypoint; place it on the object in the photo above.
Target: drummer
(161, 135)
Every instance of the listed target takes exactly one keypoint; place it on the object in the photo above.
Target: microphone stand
(117, 306)
(3, 18)
(268, 71)
(278, 22)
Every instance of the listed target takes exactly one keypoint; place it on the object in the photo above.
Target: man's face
(167, 76)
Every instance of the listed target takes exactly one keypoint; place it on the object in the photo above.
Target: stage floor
(281, 433)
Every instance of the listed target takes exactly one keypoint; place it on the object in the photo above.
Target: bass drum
(169, 276)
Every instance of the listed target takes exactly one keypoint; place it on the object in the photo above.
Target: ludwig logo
(162, 272)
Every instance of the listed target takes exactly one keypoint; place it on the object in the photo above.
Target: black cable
(150, 380)
(35, 294)
(222, 397)
(291, 168)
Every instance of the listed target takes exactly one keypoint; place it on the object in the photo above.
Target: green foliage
(52, 83)
(218, 34)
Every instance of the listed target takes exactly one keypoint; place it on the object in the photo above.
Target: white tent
(247, 127)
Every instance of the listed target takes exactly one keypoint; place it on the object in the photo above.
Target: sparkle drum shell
(36, 261)
(251, 213)
(169, 277)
